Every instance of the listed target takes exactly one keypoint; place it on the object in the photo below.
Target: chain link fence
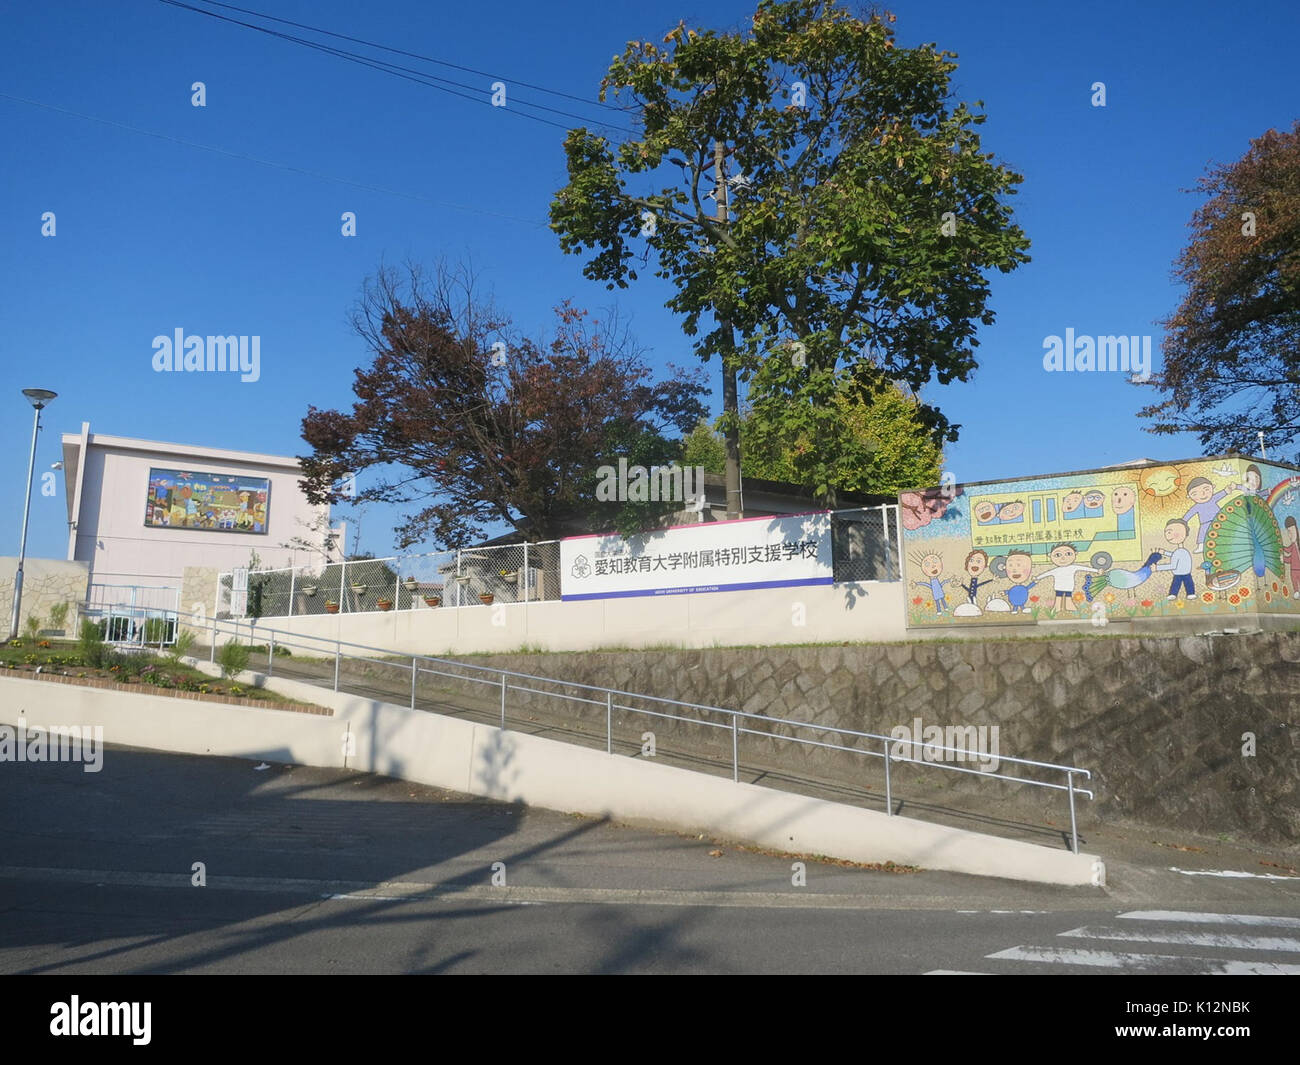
(865, 544)
(509, 573)
(864, 548)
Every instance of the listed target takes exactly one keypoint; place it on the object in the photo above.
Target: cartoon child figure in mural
(976, 566)
(931, 566)
(1064, 571)
(1180, 559)
(1291, 554)
(1020, 565)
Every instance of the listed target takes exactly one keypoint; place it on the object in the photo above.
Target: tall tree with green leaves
(880, 447)
(1232, 348)
(811, 189)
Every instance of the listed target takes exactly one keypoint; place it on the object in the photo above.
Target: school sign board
(722, 556)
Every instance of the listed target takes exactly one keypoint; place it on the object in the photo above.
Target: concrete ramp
(509, 766)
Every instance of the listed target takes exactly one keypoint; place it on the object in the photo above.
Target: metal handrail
(288, 637)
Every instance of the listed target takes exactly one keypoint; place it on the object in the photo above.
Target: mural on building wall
(218, 502)
(1201, 536)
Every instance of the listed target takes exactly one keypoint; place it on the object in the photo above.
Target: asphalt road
(323, 871)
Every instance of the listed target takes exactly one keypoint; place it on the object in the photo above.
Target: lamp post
(38, 398)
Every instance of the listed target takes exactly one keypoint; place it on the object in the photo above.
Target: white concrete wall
(112, 537)
(814, 614)
(480, 760)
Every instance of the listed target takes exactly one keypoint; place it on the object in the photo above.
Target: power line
(406, 73)
(412, 55)
(270, 162)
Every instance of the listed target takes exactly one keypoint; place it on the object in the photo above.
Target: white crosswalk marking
(1210, 918)
(1189, 939)
(1243, 933)
(1147, 962)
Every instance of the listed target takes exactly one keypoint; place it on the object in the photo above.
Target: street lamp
(38, 398)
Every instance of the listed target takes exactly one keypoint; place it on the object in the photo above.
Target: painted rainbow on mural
(1280, 489)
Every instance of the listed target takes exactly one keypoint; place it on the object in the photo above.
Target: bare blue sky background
(154, 234)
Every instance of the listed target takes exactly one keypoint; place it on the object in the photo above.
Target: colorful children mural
(1195, 537)
(219, 502)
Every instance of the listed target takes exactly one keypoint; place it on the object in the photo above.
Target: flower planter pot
(410, 584)
(384, 604)
(360, 589)
(433, 600)
(331, 608)
(309, 590)
(486, 598)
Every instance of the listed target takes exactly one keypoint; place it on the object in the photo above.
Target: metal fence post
(212, 649)
(459, 586)
(503, 701)
(337, 654)
(889, 549)
(609, 722)
(527, 574)
(397, 586)
(293, 573)
(343, 587)
(735, 748)
(889, 794)
(413, 682)
(1074, 829)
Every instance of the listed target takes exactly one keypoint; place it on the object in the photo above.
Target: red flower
(1244, 593)
(1033, 598)
(917, 601)
(1147, 602)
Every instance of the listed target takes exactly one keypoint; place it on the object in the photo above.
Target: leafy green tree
(1232, 348)
(810, 187)
(878, 447)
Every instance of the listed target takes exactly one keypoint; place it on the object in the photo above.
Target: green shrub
(91, 643)
(32, 626)
(233, 658)
(59, 615)
(183, 645)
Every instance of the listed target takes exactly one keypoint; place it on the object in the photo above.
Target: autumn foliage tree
(1232, 348)
(475, 427)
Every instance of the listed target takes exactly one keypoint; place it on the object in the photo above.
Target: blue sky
(155, 234)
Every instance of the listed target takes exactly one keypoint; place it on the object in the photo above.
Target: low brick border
(171, 693)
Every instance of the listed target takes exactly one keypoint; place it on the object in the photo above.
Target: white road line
(1189, 939)
(1180, 917)
(1233, 874)
(1145, 962)
(953, 972)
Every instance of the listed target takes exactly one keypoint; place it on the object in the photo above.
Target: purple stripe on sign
(693, 588)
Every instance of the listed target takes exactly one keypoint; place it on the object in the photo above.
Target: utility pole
(730, 395)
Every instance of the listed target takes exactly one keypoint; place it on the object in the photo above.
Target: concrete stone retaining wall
(1162, 722)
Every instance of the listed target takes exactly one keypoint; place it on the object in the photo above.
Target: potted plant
(359, 588)
(410, 584)
(331, 607)
(384, 604)
(433, 600)
(309, 590)
(486, 598)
